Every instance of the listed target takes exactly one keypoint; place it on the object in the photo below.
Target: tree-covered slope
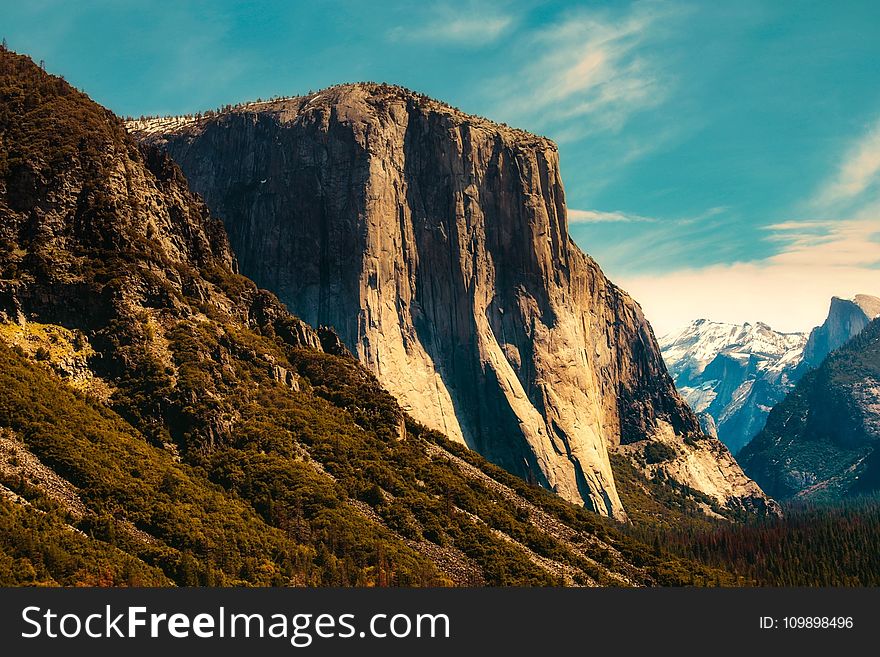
(166, 419)
(820, 441)
(813, 544)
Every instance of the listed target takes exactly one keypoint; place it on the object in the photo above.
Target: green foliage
(39, 548)
(349, 424)
(200, 529)
(812, 545)
(662, 505)
(45, 120)
(657, 452)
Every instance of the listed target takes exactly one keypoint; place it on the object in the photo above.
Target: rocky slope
(163, 420)
(436, 245)
(733, 374)
(820, 442)
(846, 319)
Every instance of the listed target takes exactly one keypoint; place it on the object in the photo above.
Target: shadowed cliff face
(846, 319)
(436, 245)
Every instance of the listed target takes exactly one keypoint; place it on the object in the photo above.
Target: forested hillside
(164, 420)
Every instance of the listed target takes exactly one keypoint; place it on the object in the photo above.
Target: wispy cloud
(597, 216)
(837, 254)
(789, 290)
(591, 65)
(784, 227)
(832, 244)
(658, 242)
(859, 171)
(475, 27)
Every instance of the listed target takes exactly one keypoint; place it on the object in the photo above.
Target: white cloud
(859, 171)
(597, 216)
(843, 244)
(790, 290)
(474, 28)
(591, 65)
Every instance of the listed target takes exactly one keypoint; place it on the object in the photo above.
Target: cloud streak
(597, 216)
(852, 243)
(859, 171)
(589, 65)
(475, 28)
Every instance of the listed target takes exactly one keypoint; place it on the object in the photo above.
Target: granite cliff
(846, 319)
(436, 245)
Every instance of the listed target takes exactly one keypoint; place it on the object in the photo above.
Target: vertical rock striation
(436, 245)
(846, 319)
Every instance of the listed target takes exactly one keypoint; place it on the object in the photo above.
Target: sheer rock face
(846, 319)
(436, 245)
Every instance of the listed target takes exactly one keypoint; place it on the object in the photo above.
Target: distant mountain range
(733, 375)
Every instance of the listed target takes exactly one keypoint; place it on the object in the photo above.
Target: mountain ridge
(146, 126)
(734, 373)
(845, 319)
(819, 443)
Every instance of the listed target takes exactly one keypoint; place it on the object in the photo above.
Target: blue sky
(721, 159)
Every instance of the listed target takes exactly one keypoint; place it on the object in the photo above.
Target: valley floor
(811, 545)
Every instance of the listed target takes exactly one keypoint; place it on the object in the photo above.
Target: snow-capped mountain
(732, 374)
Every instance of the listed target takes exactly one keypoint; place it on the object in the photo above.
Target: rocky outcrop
(17, 463)
(732, 374)
(707, 424)
(846, 319)
(67, 352)
(95, 229)
(436, 246)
